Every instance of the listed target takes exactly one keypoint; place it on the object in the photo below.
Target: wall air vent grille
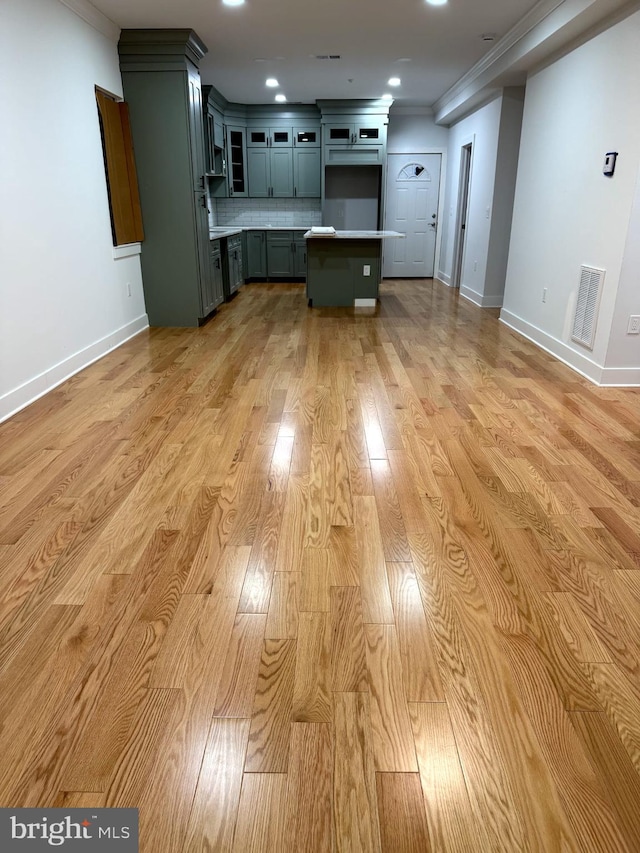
(588, 302)
(328, 56)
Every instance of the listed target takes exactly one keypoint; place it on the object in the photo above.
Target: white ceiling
(371, 36)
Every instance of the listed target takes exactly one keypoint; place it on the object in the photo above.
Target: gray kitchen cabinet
(269, 137)
(306, 173)
(237, 162)
(337, 267)
(234, 266)
(299, 255)
(256, 260)
(217, 274)
(306, 136)
(280, 254)
(363, 131)
(270, 172)
(161, 83)
(215, 157)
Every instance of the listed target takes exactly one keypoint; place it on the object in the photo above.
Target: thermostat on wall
(609, 163)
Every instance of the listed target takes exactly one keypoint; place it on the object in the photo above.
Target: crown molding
(400, 109)
(550, 28)
(524, 26)
(94, 17)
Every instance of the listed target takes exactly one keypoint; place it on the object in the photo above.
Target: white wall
(414, 132)
(481, 129)
(503, 194)
(63, 296)
(623, 352)
(566, 213)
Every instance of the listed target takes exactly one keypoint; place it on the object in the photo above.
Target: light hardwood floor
(317, 580)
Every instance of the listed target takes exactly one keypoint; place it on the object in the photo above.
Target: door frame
(441, 187)
(462, 211)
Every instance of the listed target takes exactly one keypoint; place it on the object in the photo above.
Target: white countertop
(354, 235)
(230, 230)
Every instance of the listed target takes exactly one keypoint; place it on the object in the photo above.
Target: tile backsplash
(266, 211)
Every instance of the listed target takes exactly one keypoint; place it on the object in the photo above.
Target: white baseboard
(621, 377)
(610, 376)
(17, 399)
(444, 278)
(365, 303)
(479, 299)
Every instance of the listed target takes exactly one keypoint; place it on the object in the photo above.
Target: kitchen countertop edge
(221, 231)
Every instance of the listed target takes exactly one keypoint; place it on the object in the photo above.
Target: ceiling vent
(588, 302)
(328, 56)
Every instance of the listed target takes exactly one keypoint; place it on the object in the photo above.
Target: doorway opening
(461, 219)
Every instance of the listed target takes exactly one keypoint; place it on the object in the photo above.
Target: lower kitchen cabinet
(235, 272)
(256, 260)
(217, 274)
(280, 254)
(299, 255)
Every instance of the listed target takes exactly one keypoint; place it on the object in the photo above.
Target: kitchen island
(345, 268)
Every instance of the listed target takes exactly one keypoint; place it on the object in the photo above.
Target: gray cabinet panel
(336, 271)
(270, 172)
(259, 172)
(280, 255)
(306, 172)
(299, 256)
(217, 285)
(234, 264)
(306, 136)
(281, 172)
(237, 162)
(166, 123)
(269, 137)
(256, 262)
(196, 129)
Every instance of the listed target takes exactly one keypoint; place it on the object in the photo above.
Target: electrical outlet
(634, 324)
(544, 294)
(487, 213)
(366, 269)
(128, 288)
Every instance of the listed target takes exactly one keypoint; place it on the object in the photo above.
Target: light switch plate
(366, 269)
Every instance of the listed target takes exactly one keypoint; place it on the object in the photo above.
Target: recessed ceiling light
(404, 59)
(436, 2)
(233, 2)
(272, 82)
(281, 99)
(387, 97)
(394, 81)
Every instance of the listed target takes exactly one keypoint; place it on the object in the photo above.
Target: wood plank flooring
(327, 580)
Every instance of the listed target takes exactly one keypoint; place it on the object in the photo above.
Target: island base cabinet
(341, 271)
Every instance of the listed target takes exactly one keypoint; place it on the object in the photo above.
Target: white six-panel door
(413, 183)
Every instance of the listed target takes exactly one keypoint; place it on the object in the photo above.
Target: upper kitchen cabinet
(354, 132)
(237, 161)
(269, 137)
(306, 136)
(161, 83)
(270, 172)
(306, 173)
(214, 148)
(369, 132)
